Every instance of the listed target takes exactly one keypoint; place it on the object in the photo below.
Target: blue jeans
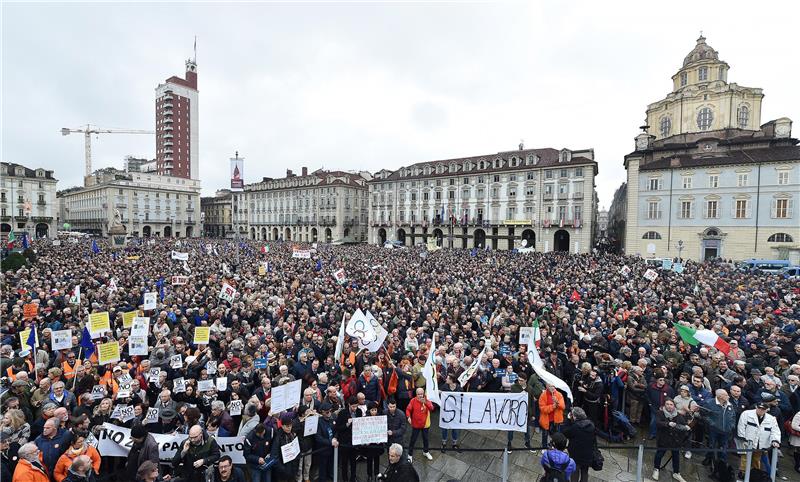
(717, 440)
(453, 431)
(258, 475)
(652, 433)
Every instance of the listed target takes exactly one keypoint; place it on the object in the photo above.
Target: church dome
(701, 51)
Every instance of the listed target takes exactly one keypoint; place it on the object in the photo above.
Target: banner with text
(483, 411)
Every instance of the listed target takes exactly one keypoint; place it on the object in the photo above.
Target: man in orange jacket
(78, 447)
(551, 411)
(29, 468)
(419, 417)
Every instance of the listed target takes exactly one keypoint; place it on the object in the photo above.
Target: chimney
(289, 173)
(305, 171)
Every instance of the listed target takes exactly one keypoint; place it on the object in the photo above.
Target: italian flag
(706, 337)
(537, 335)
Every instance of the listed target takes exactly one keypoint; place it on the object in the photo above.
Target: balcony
(168, 159)
(577, 195)
(167, 112)
(168, 120)
(563, 195)
(168, 144)
(168, 97)
(41, 203)
(548, 196)
(167, 127)
(168, 105)
(121, 205)
(168, 136)
(190, 209)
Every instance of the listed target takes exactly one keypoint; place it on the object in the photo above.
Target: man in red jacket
(419, 413)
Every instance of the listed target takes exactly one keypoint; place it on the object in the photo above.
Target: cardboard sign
(311, 424)
(124, 390)
(650, 275)
(155, 373)
(526, 335)
(285, 396)
(340, 277)
(625, 271)
(127, 413)
(108, 353)
(235, 408)
(179, 385)
(677, 268)
(137, 346)
(211, 367)
(30, 310)
(140, 326)
(175, 361)
(150, 301)
(201, 335)
(205, 385)
(99, 323)
(262, 269)
(98, 392)
(301, 254)
(179, 280)
(228, 293)
(222, 384)
(369, 430)
(152, 416)
(62, 339)
(291, 450)
(127, 319)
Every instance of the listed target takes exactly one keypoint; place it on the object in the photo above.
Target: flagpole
(74, 377)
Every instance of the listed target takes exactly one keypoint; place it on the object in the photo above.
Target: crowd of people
(606, 331)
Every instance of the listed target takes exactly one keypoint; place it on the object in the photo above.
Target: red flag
(575, 296)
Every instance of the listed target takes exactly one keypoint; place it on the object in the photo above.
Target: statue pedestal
(117, 237)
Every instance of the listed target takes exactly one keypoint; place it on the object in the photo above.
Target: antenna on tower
(195, 49)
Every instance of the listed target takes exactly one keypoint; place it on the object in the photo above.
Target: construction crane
(88, 130)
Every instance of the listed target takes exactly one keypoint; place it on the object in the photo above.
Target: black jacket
(281, 470)
(669, 437)
(402, 471)
(344, 432)
(139, 454)
(581, 441)
(256, 447)
(397, 424)
(208, 451)
(326, 431)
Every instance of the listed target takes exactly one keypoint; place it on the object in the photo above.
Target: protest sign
(205, 385)
(666, 264)
(339, 276)
(222, 384)
(301, 254)
(56, 242)
(526, 335)
(140, 326)
(259, 363)
(124, 390)
(175, 361)
(30, 310)
(99, 323)
(127, 413)
(262, 269)
(154, 374)
(180, 256)
(150, 300)
(677, 268)
(115, 441)
(116, 413)
(201, 335)
(179, 280)
(290, 451)
(137, 345)
(227, 293)
(482, 411)
(179, 385)
(23, 337)
(285, 396)
(152, 416)
(311, 424)
(62, 340)
(127, 318)
(369, 430)
(211, 367)
(98, 392)
(235, 408)
(108, 353)
(650, 275)
(625, 270)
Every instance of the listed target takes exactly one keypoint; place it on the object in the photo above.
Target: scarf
(669, 415)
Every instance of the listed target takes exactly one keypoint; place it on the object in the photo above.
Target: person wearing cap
(325, 439)
(284, 471)
(761, 430)
(143, 448)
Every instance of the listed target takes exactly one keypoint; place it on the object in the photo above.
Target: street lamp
(680, 250)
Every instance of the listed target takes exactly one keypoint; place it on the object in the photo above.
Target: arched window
(780, 238)
(704, 118)
(651, 235)
(743, 117)
(666, 126)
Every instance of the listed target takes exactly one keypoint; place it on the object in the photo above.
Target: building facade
(177, 126)
(324, 206)
(711, 181)
(27, 201)
(544, 197)
(148, 204)
(216, 214)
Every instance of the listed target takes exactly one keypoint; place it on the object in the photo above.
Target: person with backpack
(582, 442)
(558, 466)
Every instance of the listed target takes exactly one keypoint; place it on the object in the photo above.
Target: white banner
(286, 396)
(301, 253)
(369, 430)
(650, 275)
(482, 411)
(140, 326)
(150, 300)
(180, 256)
(525, 335)
(115, 441)
(62, 340)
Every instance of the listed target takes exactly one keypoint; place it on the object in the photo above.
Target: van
(654, 262)
(773, 266)
(792, 272)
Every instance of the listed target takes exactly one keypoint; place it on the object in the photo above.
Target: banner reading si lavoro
(484, 411)
(115, 441)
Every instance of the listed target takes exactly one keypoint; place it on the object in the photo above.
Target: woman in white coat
(794, 441)
(761, 430)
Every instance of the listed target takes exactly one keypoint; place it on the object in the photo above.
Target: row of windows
(712, 209)
(702, 75)
(705, 119)
(687, 182)
(775, 238)
(529, 176)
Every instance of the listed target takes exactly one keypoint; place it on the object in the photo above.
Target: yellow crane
(88, 130)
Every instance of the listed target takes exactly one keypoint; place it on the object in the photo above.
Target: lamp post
(680, 250)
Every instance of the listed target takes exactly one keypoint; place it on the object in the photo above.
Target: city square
(337, 269)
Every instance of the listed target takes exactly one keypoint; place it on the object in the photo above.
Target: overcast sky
(371, 85)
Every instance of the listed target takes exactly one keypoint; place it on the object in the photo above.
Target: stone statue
(117, 219)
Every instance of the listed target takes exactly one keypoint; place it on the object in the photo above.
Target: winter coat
(581, 441)
(344, 432)
(256, 447)
(25, 472)
(794, 440)
(656, 396)
(71, 476)
(52, 448)
(208, 451)
(281, 470)
(397, 424)
(761, 435)
(549, 412)
(139, 454)
(402, 471)
(558, 459)
(669, 437)
(419, 413)
(64, 463)
(370, 389)
(326, 431)
(718, 418)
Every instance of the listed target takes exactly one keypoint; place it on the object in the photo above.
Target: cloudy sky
(371, 85)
